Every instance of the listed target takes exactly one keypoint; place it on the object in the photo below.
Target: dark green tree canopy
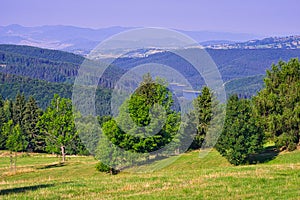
(57, 123)
(146, 121)
(202, 116)
(241, 135)
(278, 104)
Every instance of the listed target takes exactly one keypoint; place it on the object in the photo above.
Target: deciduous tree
(57, 124)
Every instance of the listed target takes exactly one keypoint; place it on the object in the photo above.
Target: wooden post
(63, 153)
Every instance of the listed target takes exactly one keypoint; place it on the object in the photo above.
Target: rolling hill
(83, 40)
(25, 67)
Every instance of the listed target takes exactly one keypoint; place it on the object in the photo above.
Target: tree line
(273, 115)
(26, 127)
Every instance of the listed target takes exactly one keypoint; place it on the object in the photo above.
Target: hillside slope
(236, 66)
(189, 177)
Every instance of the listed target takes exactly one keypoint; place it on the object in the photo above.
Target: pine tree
(278, 104)
(30, 119)
(5, 116)
(2, 112)
(18, 109)
(241, 135)
(2, 121)
(202, 115)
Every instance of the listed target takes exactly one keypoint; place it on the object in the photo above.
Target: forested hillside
(38, 70)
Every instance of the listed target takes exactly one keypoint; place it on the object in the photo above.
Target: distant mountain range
(289, 42)
(82, 40)
(241, 60)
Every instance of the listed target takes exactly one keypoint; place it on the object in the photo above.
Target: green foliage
(37, 65)
(31, 118)
(4, 117)
(42, 91)
(245, 87)
(35, 52)
(113, 156)
(16, 140)
(241, 135)
(57, 123)
(102, 167)
(202, 115)
(278, 104)
(41, 73)
(33, 126)
(18, 110)
(6, 130)
(89, 131)
(27, 67)
(147, 118)
(146, 123)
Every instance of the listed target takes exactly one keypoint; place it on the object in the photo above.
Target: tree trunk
(11, 160)
(63, 154)
(15, 164)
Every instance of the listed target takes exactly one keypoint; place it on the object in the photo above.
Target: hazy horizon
(120, 26)
(266, 17)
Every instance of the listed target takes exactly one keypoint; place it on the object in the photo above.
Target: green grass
(189, 177)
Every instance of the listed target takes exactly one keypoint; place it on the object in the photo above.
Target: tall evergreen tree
(5, 116)
(202, 115)
(2, 121)
(241, 135)
(31, 118)
(2, 112)
(18, 109)
(278, 104)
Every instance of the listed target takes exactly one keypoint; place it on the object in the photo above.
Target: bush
(292, 147)
(102, 167)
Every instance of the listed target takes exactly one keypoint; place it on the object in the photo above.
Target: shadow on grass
(29, 188)
(268, 154)
(24, 189)
(52, 166)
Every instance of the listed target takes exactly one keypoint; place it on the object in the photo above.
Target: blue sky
(265, 17)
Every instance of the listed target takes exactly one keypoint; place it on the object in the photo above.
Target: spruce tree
(18, 109)
(202, 115)
(2, 121)
(5, 113)
(278, 104)
(241, 134)
(31, 118)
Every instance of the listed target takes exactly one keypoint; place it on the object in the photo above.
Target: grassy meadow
(41, 176)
